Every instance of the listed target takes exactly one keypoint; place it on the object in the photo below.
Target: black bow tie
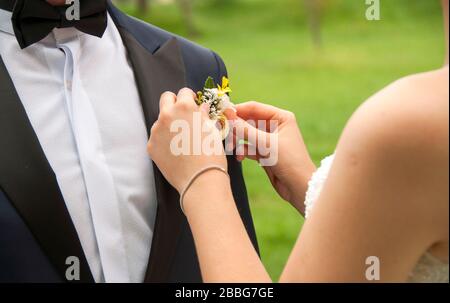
(33, 20)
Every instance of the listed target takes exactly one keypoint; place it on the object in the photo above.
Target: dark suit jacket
(36, 232)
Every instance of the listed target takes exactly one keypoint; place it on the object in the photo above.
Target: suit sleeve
(221, 68)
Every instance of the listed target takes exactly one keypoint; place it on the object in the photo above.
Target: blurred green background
(317, 58)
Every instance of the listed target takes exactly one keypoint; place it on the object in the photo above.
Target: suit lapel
(30, 184)
(156, 73)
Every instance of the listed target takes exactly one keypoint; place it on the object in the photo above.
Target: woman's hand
(294, 167)
(184, 140)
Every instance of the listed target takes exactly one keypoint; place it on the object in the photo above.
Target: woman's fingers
(259, 112)
(230, 113)
(258, 142)
(167, 100)
(250, 133)
(256, 111)
(187, 97)
(246, 151)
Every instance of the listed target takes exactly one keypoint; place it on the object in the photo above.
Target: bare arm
(376, 201)
(373, 204)
(224, 249)
(370, 206)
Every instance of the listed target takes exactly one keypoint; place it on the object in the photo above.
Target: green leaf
(209, 84)
(198, 100)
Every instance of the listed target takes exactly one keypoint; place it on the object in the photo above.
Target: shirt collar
(5, 22)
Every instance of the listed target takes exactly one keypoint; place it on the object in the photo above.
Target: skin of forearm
(224, 249)
(298, 184)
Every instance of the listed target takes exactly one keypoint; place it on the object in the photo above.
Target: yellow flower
(225, 88)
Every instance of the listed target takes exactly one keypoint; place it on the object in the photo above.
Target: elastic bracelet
(195, 176)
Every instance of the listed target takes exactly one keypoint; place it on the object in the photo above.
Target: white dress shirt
(80, 95)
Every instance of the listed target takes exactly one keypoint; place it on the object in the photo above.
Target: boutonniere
(216, 96)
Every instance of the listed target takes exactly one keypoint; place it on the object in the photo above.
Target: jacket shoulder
(199, 61)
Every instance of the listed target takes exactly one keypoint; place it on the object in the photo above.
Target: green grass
(270, 58)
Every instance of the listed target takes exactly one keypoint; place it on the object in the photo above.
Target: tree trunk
(142, 6)
(313, 9)
(188, 18)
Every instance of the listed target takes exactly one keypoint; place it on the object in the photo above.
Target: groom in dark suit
(79, 199)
